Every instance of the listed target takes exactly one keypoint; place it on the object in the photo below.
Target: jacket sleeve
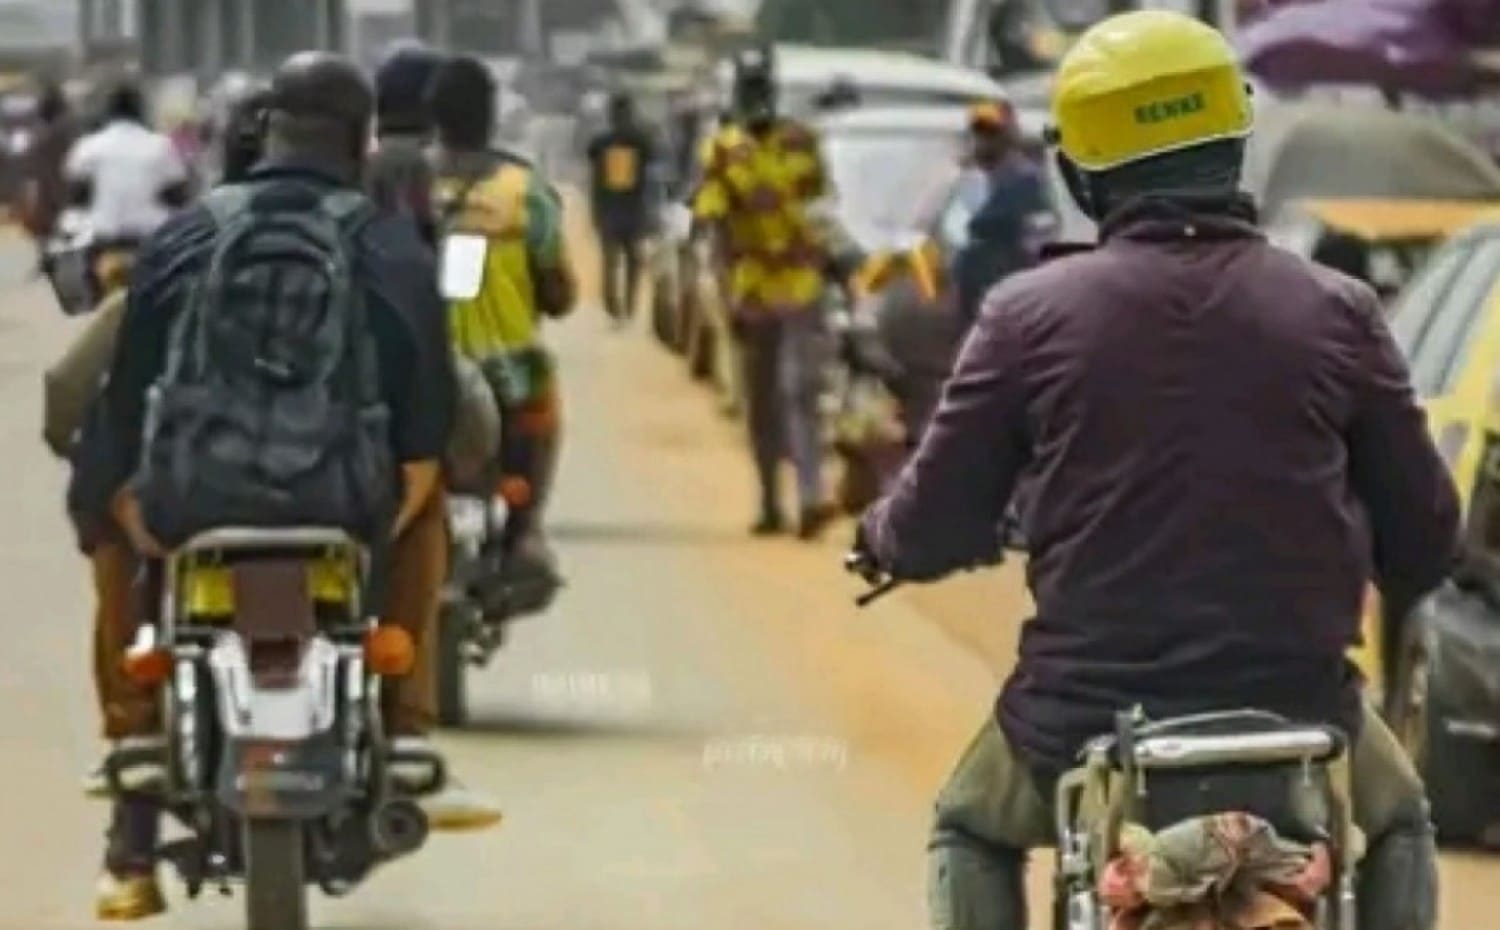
(1398, 474)
(946, 508)
(109, 444)
(411, 327)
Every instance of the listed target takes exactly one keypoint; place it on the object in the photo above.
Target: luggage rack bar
(232, 538)
(1291, 745)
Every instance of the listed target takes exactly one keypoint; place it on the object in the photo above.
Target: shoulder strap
(454, 207)
(227, 201)
(345, 204)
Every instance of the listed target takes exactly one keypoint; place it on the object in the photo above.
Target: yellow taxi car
(1440, 675)
(1381, 240)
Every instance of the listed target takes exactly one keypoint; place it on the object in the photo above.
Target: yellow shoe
(455, 809)
(133, 897)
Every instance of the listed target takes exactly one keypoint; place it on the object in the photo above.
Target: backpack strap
(345, 204)
(227, 201)
(225, 205)
(454, 208)
(351, 211)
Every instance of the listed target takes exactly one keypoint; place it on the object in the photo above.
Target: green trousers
(990, 813)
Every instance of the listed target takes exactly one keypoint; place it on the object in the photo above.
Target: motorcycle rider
(400, 176)
(763, 175)
(1220, 446)
(317, 129)
(493, 194)
(128, 176)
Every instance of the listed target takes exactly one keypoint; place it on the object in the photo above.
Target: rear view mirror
(462, 266)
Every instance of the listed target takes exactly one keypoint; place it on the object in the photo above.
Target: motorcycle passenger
(490, 193)
(317, 130)
(622, 160)
(1220, 446)
(763, 175)
(400, 176)
(127, 177)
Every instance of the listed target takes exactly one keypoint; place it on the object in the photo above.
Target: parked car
(1439, 668)
(1382, 241)
(880, 78)
(941, 207)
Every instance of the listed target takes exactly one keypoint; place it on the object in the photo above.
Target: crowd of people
(1215, 444)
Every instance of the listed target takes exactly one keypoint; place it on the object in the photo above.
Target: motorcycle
(499, 571)
(275, 759)
(1158, 774)
(83, 271)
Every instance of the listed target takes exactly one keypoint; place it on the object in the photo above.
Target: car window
(1440, 354)
(1416, 308)
(801, 100)
(880, 175)
(904, 24)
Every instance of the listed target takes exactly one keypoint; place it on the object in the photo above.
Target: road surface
(704, 734)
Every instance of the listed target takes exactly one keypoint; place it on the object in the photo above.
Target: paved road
(703, 734)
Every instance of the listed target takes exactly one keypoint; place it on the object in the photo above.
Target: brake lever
(860, 563)
(876, 593)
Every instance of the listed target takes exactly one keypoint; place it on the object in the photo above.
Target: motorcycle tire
(703, 358)
(275, 875)
(662, 312)
(452, 667)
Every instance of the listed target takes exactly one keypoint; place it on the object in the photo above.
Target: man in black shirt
(621, 161)
(319, 111)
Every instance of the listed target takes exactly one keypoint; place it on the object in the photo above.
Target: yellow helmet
(1147, 83)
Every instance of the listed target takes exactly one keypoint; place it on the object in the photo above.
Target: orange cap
(989, 115)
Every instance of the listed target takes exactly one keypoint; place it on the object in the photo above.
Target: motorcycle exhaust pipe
(398, 828)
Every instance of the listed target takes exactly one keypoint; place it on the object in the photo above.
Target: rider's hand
(126, 509)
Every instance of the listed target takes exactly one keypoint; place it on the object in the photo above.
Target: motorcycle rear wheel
(275, 875)
(453, 666)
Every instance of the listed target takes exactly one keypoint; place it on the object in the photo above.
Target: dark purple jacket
(1219, 445)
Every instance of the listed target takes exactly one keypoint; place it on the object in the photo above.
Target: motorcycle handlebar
(861, 563)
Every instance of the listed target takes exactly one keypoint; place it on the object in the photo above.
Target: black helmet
(242, 143)
(755, 96)
(401, 84)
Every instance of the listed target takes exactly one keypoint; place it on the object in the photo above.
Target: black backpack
(269, 411)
